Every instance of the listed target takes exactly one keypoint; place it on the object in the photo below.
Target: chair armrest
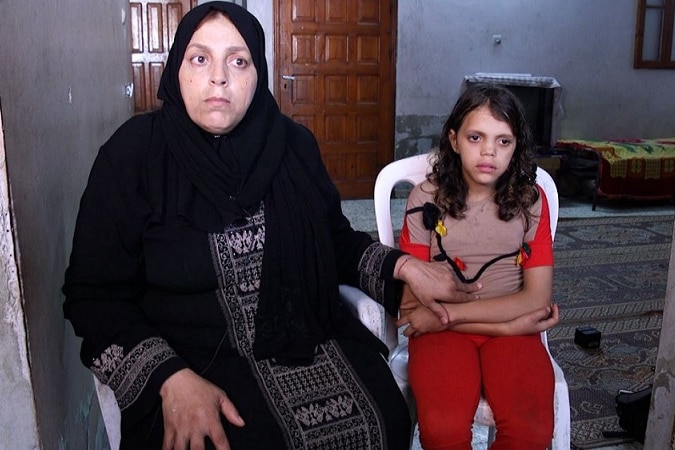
(371, 314)
(110, 412)
(375, 318)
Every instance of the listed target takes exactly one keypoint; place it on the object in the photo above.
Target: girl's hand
(534, 322)
(192, 407)
(420, 320)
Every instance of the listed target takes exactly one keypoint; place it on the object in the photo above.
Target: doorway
(335, 73)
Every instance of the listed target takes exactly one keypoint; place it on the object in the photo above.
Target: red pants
(449, 370)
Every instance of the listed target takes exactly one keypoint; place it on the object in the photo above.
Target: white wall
(264, 11)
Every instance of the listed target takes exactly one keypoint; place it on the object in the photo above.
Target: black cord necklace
(433, 221)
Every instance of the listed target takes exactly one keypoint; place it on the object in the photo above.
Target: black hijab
(260, 160)
(229, 176)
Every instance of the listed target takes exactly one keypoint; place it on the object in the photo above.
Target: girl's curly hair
(516, 190)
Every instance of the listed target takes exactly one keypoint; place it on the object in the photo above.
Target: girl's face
(485, 146)
(217, 77)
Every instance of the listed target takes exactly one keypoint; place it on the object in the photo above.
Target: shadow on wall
(417, 134)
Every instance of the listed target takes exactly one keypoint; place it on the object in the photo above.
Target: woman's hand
(433, 282)
(192, 407)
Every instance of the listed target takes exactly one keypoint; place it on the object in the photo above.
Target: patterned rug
(610, 273)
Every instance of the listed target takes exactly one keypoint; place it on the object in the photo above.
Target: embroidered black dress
(167, 273)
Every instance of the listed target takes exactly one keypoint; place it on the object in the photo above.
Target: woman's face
(217, 77)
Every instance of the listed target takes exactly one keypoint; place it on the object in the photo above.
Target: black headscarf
(229, 177)
(260, 160)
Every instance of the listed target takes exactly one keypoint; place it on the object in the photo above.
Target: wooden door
(335, 69)
(153, 25)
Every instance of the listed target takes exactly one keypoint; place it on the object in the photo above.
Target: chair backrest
(413, 170)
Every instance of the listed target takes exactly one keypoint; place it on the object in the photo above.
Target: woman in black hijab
(205, 267)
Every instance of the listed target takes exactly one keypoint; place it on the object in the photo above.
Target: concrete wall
(62, 75)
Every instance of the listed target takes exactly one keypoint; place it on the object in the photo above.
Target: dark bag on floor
(633, 409)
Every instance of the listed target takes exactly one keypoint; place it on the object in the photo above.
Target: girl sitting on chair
(481, 214)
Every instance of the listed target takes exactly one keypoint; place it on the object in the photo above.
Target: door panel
(335, 74)
(153, 25)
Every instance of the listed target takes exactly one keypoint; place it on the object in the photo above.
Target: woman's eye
(240, 62)
(474, 137)
(198, 59)
(505, 141)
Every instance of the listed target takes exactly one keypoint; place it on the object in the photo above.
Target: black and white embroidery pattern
(370, 267)
(322, 405)
(105, 365)
(127, 374)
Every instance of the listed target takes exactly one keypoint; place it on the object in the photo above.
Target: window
(654, 37)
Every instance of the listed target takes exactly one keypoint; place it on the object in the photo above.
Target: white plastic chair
(413, 170)
(110, 412)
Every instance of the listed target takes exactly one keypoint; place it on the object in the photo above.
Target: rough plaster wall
(661, 425)
(64, 66)
(587, 46)
(15, 383)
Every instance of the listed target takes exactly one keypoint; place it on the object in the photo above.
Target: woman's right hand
(192, 406)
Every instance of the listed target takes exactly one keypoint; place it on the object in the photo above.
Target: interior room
(66, 83)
